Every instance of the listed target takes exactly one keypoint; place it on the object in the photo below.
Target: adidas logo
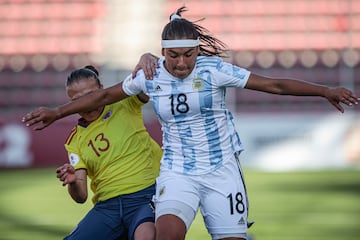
(158, 88)
(241, 221)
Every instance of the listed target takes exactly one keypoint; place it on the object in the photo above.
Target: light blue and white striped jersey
(198, 130)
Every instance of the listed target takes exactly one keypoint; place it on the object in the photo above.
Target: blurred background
(41, 42)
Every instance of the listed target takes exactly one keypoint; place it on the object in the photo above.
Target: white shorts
(221, 196)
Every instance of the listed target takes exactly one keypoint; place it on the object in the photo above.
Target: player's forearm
(78, 191)
(301, 88)
(92, 101)
(83, 104)
(285, 86)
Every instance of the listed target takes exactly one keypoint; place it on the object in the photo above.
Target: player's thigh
(138, 209)
(224, 202)
(176, 195)
(101, 222)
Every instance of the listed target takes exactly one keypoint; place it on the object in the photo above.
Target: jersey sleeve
(75, 158)
(133, 86)
(229, 75)
(73, 153)
(132, 103)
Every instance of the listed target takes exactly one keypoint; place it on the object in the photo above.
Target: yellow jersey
(116, 150)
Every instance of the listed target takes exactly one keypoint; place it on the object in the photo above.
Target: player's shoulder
(71, 135)
(139, 75)
(208, 62)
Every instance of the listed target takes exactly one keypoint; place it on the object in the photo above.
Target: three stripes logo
(241, 221)
(158, 88)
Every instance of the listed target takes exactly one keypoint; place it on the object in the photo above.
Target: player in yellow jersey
(111, 146)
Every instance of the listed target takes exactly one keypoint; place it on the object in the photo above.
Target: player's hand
(341, 95)
(42, 116)
(66, 174)
(148, 63)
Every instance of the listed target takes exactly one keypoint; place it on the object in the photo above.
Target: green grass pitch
(292, 206)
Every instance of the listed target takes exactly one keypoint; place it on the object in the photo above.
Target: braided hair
(181, 28)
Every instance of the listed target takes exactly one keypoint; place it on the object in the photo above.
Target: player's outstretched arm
(41, 116)
(45, 116)
(339, 95)
(335, 95)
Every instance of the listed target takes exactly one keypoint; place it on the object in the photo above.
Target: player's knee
(145, 231)
(169, 226)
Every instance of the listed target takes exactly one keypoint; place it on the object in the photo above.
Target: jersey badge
(73, 159)
(198, 84)
(161, 191)
(107, 115)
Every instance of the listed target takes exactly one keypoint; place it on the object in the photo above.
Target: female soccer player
(111, 146)
(200, 166)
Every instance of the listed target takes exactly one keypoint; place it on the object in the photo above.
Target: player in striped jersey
(200, 166)
(111, 146)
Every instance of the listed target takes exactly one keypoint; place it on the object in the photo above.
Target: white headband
(174, 16)
(180, 43)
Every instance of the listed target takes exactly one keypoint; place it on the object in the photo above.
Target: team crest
(198, 84)
(161, 191)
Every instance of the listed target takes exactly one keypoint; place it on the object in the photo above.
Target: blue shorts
(116, 218)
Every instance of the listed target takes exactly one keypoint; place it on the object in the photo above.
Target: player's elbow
(112, 94)
(80, 199)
